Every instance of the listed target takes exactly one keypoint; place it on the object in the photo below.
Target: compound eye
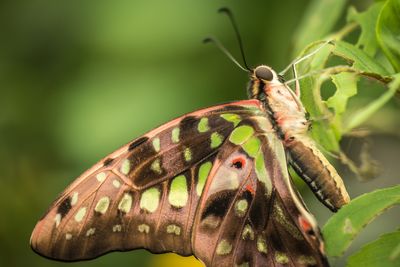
(264, 73)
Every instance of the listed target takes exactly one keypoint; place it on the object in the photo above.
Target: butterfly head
(261, 76)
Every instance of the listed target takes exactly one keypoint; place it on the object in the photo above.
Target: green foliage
(344, 226)
(388, 31)
(375, 55)
(318, 21)
(78, 80)
(378, 253)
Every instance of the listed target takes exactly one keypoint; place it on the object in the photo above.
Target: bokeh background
(80, 78)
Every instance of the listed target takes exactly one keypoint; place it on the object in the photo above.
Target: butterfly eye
(238, 163)
(264, 73)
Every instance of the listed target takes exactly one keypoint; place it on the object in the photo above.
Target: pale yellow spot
(281, 258)
(173, 229)
(248, 232)
(102, 205)
(144, 228)
(187, 154)
(156, 166)
(101, 177)
(225, 178)
(126, 203)
(262, 245)
(80, 214)
(156, 144)
(68, 236)
(116, 183)
(178, 193)
(74, 198)
(280, 216)
(90, 231)
(57, 219)
(117, 228)
(211, 222)
(241, 207)
(224, 247)
(234, 180)
(307, 260)
(175, 135)
(150, 199)
(244, 264)
(126, 167)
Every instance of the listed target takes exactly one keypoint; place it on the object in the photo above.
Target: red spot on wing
(305, 225)
(250, 188)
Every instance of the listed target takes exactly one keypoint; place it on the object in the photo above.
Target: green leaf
(388, 32)
(377, 253)
(364, 114)
(318, 20)
(367, 20)
(348, 222)
(312, 100)
(346, 87)
(359, 59)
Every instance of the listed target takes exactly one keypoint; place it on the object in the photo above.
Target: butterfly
(213, 183)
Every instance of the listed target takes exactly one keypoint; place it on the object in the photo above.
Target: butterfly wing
(144, 195)
(221, 167)
(250, 214)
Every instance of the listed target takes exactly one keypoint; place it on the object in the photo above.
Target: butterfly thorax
(283, 106)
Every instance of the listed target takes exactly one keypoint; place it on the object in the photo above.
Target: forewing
(145, 194)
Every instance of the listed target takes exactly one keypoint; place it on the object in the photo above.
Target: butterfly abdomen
(317, 172)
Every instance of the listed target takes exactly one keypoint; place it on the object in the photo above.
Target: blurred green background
(79, 79)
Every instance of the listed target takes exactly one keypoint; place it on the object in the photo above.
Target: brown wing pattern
(212, 183)
(255, 224)
(144, 195)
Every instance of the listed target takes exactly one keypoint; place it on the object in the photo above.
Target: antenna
(224, 50)
(300, 59)
(237, 33)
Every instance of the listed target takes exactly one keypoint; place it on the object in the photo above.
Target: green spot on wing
(262, 173)
(224, 247)
(203, 125)
(281, 257)
(240, 134)
(252, 146)
(150, 199)
(178, 194)
(216, 140)
(156, 167)
(234, 118)
(126, 166)
(187, 154)
(241, 207)
(204, 170)
(262, 245)
(175, 135)
(156, 144)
